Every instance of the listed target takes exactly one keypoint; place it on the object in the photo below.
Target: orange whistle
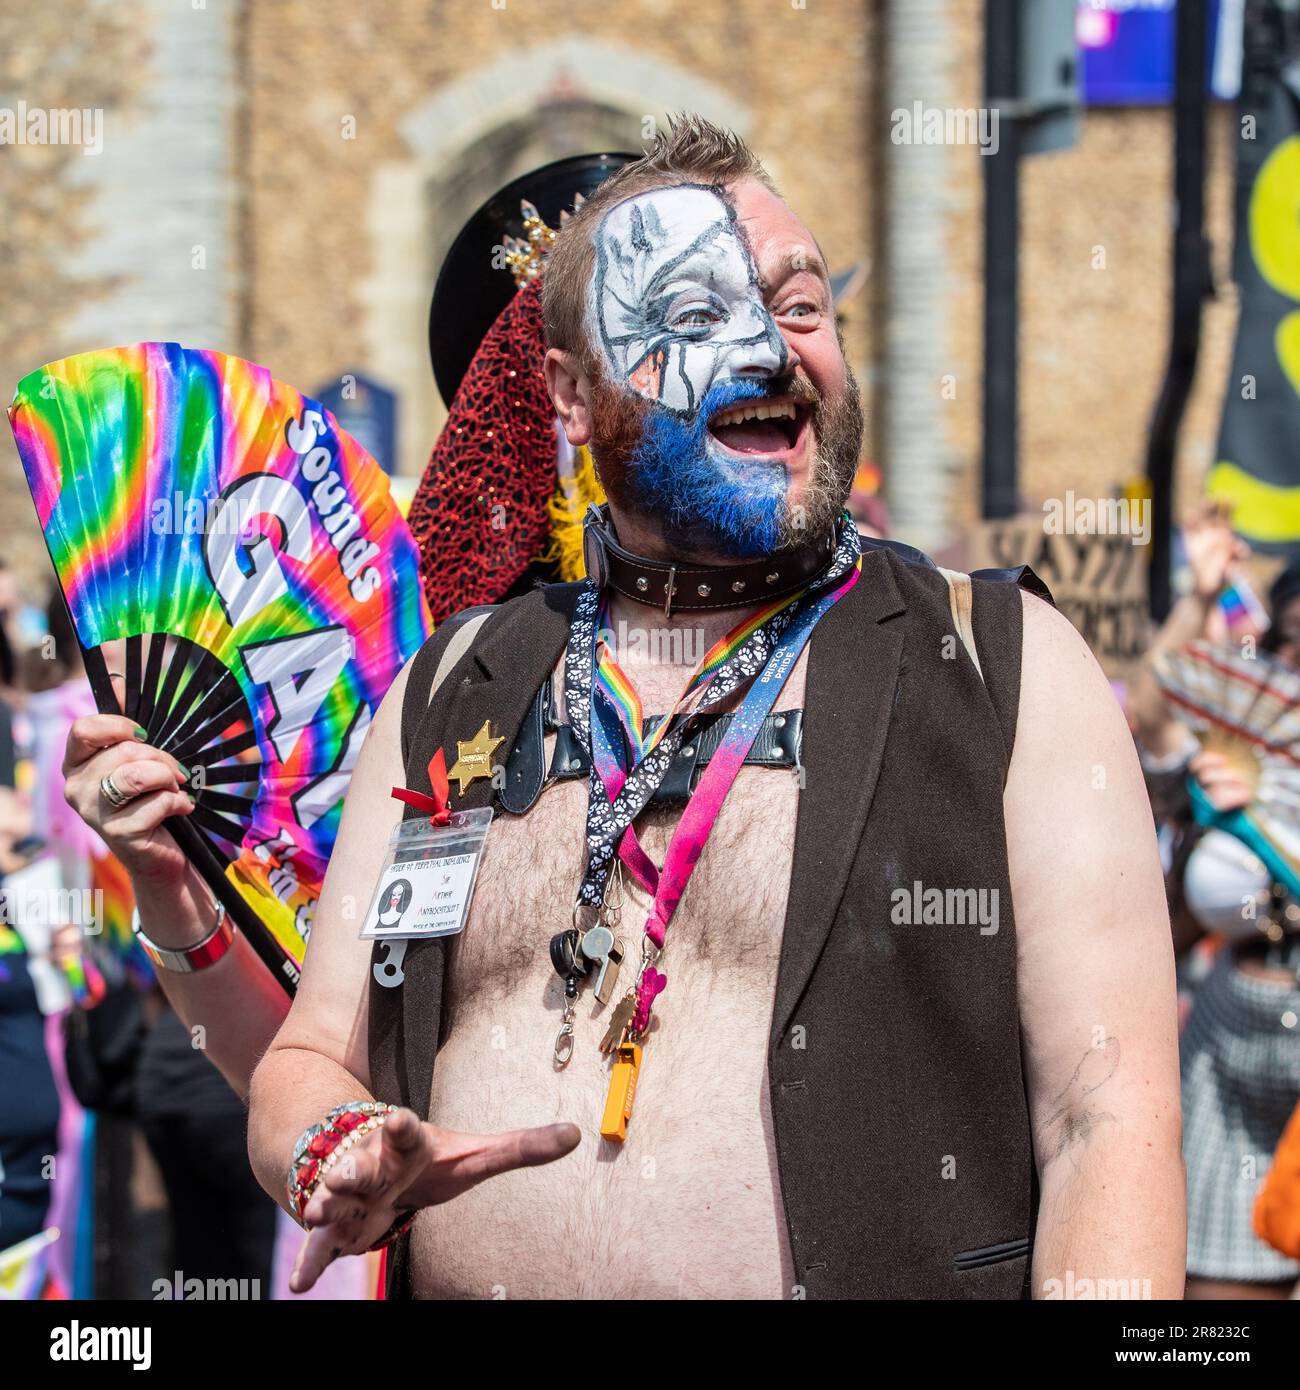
(622, 1092)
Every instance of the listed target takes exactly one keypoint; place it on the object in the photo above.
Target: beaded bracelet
(318, 1148)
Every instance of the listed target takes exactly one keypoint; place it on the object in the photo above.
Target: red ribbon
(436, 806)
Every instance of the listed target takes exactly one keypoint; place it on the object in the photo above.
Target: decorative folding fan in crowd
(236, 558)
(1248, 709)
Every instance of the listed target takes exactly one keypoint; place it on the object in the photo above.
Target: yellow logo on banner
(1275, 243)
(1263, 511)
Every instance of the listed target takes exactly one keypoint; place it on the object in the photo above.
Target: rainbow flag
(24, 1268)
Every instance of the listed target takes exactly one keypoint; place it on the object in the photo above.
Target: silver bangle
(189, 959)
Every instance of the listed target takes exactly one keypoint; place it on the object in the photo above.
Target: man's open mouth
(760, 427)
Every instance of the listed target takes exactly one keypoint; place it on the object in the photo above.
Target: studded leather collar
(695, 588)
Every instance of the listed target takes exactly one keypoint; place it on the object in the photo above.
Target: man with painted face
(726, 465)
(818, 944)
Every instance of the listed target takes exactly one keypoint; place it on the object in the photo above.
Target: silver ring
(112, 793)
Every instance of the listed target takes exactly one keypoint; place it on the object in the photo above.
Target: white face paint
(675, 301)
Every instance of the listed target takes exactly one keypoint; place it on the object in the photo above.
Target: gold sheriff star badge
(474, 757)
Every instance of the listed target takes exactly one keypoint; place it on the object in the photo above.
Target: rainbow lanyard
(618, 691)
(760, 653)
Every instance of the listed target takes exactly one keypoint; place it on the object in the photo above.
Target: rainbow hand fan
(1247, 708)
(232, 553)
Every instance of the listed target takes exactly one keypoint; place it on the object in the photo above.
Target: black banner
(1257, 466)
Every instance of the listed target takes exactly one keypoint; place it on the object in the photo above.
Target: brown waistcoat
(898, 1100)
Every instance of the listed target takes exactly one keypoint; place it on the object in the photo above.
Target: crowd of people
(1237, 934)
(85, 1033)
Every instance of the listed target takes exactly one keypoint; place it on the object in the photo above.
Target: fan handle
(200, 855)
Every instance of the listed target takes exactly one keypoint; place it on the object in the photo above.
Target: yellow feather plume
(573, 494)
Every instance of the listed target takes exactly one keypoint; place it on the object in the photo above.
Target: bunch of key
(575, 954)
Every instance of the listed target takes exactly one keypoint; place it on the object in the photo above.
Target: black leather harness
(777, 745)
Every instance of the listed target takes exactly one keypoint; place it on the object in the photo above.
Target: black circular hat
(471, 292)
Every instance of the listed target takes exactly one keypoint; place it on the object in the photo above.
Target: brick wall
(449, 100)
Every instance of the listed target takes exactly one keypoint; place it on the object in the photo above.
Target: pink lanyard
(667, 885)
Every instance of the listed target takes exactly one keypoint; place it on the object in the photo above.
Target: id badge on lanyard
(426, 885)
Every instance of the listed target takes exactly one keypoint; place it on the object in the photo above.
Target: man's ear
(570, 392)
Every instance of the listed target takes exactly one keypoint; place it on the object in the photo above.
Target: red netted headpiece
(479, 515)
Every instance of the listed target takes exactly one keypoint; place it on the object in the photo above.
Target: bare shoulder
(1075, 802)
(1061, 685)
(1050, 637)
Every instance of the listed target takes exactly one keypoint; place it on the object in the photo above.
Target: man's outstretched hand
(402, 1166)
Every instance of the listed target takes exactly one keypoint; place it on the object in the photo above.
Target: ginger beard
(687, 348)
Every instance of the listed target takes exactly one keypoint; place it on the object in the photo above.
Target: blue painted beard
(676, 472)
